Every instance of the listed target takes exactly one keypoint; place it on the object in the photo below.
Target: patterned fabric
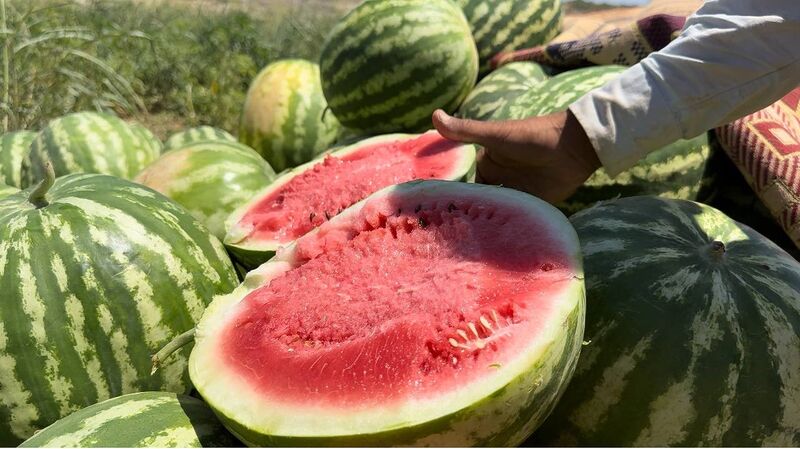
(765, 146)
(618, 46)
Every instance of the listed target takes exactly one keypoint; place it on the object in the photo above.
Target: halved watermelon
(432, 313)
(307, 196)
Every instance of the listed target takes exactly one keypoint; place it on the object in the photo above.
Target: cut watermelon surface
(311, 194)
(433, 312)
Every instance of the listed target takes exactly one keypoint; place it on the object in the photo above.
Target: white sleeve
(733, 58)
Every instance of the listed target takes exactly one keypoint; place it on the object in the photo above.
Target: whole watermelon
(285, 114)
(388, 65)
(210, 179)
(87, 142)
(148, 419)
(98, 273)
(196, 134)
(504, 25)
(693, 331)
(14, 147)
(499, 88)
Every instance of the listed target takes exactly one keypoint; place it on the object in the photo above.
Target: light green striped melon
(148, 419)
(97, 275)
(87, 142)
(389, 64)
(197, 134)
(147, 136)
(505, 25)
(286, 118)
(7, 190)
(501, 86)
(14, 147)
(210, 179)
(693, 324)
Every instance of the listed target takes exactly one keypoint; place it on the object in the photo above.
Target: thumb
(486, 134)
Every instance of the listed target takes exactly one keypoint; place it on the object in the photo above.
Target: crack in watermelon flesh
(406, 300)
(324, 190)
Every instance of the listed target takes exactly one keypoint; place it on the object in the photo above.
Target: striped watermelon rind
(498, 88)
(147, 419)
(210, 179)
(389, 64)
(286, 118)
(94, 283)
(87, 142)
(7, 190)
(506, 25)
(504, 416)
(694, 324)
(189, 136)
(14, 148)
(154, 143)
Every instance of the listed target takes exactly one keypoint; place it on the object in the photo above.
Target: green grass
(165, 65)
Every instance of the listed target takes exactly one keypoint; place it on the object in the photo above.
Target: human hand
(548, 156)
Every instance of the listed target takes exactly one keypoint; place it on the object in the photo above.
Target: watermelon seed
(486, 324)
(327, 215)
(419, 208)
(451, 207)
(463, 335)
(423, 223)
(399, 212)
(474, 330)
(311, 217)
(547, 267)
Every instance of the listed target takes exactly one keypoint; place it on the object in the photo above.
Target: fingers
(487, 134)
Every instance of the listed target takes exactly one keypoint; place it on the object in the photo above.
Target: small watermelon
(197, 134)
(388, 65)
(14, 148)
(303, 198)
(500, 87)
(210, 179)
(147, 136)
(98, 273)
(285, 114)
(693, 324)
(421, 316)
(149, 419)
(87, 142)
(505, 25)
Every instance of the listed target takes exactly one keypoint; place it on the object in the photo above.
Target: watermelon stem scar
(173, 346)
(38, 196)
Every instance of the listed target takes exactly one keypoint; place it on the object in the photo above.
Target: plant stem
(38, 196)
(171, 347)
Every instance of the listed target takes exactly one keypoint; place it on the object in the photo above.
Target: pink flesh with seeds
(404, 300)
(323, 191)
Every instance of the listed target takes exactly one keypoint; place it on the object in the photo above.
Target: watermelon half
(432, 313)
(307, 196)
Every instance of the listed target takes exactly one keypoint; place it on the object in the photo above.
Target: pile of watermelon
(333, 276)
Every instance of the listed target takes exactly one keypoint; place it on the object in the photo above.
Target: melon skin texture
(14, 148)
(286, 118)
(195, 135)
(154, 143)
(7, 190)
(694, 328)
(506, 25)
(497, 411)
(210, 179)
(87, 142)
(388, 65)
(498, 88)
(251, 251)
(94, 283)
(148, 419)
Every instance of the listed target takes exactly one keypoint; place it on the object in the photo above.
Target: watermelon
(14, 147)
(7, 190)
(149, 419)
(505, 25)
(210, 179)
(303, 198)
(87, 142)
(694, 327)
(501, 86)
(197, 134)
(388, 65)
(97, 274)
(285, 114)
(356, 338)
(149, 139)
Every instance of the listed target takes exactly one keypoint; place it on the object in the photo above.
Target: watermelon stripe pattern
(707, 355)
(14, 148)
(149, 419)
(93, 284)
(7, 190)
(501, 86)
(505, 25)
(155, 146)
(286, 118)
(390, 63)
(87, 142)
(197, 134)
